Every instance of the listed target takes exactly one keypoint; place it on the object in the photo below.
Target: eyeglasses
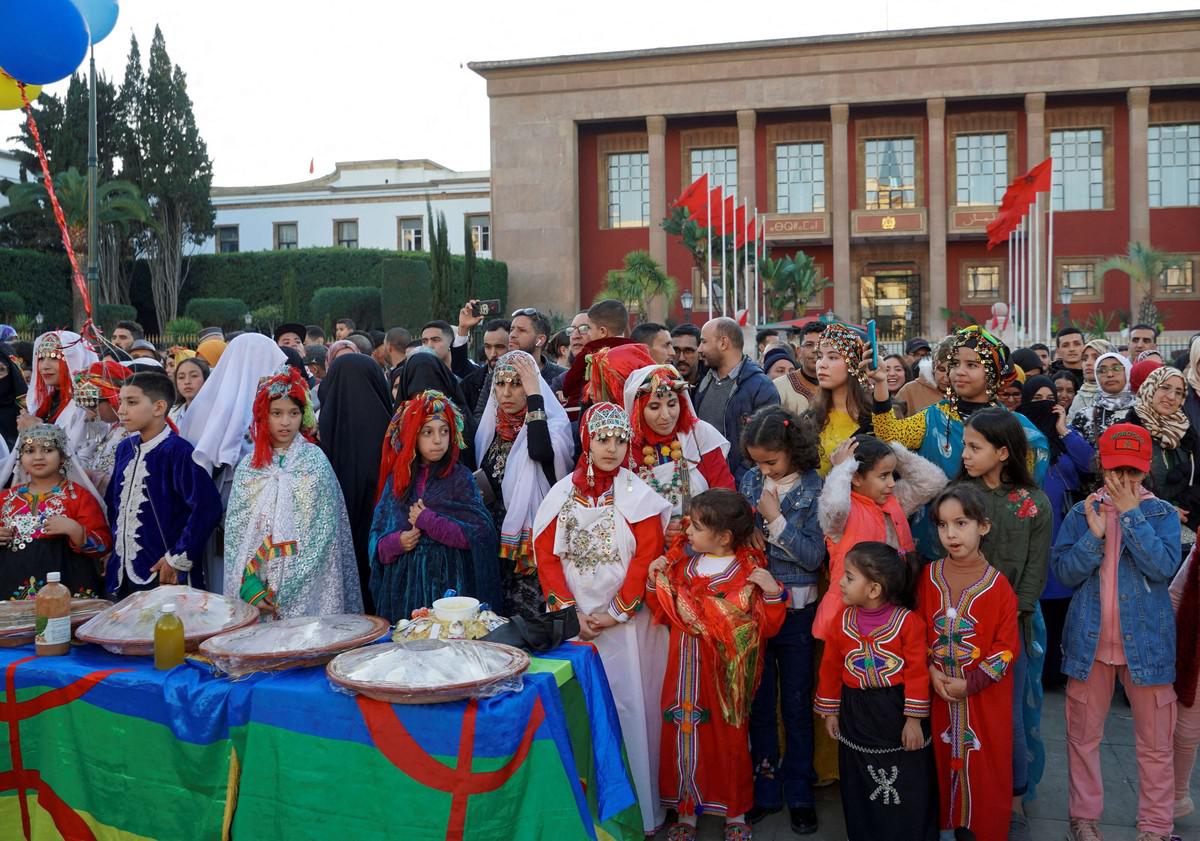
(1111, 369)
(581, 330)
(524, 311)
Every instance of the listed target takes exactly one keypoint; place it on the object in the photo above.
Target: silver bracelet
(535, 415)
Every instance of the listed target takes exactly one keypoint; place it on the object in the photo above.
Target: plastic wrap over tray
(290, 643)
(429, 671)
(128, 626)
(17, 618)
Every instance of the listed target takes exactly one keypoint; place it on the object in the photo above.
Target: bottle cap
(53, 577)
(169, 607)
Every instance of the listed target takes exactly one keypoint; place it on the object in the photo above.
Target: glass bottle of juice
(168, 639)
(52, 621)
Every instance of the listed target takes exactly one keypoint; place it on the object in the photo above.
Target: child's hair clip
(787, 422)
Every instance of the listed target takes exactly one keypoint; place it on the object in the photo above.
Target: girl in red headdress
(594, 537)
(431, 532)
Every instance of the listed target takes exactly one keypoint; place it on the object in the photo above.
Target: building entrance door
(893, 298)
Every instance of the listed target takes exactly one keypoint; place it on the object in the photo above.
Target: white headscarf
(11, 469)
(525, 484)
(1124, 398)
(219, 416)
(79, 357)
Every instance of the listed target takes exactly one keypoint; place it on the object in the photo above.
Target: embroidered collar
(146, 446)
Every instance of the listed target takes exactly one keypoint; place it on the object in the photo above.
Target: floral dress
(31, 554)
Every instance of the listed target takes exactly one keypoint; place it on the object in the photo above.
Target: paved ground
(1048, 814)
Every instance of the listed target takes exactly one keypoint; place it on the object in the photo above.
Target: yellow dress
(838, 428)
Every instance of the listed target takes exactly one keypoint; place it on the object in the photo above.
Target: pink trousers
(1154, 712)
(1187, 738)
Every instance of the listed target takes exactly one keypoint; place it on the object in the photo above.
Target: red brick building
(881, 155)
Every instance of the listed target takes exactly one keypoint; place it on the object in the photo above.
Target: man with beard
(797, 388)
(477, 379)
(685, 339)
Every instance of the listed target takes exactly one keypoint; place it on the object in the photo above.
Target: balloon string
(59, 217)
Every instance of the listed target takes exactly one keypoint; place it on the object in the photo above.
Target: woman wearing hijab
(218, 420)
(12, 388)
(353, 423)
(1070, 462)
(525, 446)
(423, 371)
(1113, 401)
(1087, 391)
(1158, 407)
(1191, 406)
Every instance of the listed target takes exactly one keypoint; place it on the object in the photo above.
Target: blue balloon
(101, 16)
(41, 42)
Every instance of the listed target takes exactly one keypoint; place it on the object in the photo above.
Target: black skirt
(893, 793)
(23, 571)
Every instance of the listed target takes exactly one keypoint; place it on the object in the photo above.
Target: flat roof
(485, 67)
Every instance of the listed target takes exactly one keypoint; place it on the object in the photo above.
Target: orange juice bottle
(52, 621)
(168, 639)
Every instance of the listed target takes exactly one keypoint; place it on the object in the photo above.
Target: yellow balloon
(10, 92)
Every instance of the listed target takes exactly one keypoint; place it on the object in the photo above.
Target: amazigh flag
(694, 197)
(1017, 198)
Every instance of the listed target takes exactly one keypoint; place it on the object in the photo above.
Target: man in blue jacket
(734, 388)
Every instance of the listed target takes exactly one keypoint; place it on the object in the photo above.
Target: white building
(361, 204)
(10, 170)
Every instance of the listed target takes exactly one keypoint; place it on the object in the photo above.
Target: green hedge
(42, 280)
(107, 315)
(287, 279)
(359, 303)
(226, 313)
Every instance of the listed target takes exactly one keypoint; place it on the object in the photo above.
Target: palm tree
(791, 283)
(120, 210)
(1144, 266)
(639, 281)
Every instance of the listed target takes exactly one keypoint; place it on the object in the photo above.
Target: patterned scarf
(1167, 430)
(850, 345)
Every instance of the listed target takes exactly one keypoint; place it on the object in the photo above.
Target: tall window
(891, 173)
(800, 178)
(1078, 180)
(481, 232)
(629, 190)
(227, 239)
(411, 235)
(287, 235)
(1174, 153)
(721, 166)
(1178, 280)
(981, 161)
(983, 282)
(1080, 278)
(346, 233)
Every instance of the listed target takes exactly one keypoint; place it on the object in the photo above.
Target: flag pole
(724, 276)
(762, 291)
(708, 239)
(746, 259)
(1050, 269)
(1015, 315)
(757, 314)
(1011, 274)
(1036, 321)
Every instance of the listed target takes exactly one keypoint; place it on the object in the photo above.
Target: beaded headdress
(993, 354)
(50, 347)
(850, 345)
(400, 440)
(662, 381)
(87, 391)
(606, 420)
(286, 382)
(506, 369)
(43, 433)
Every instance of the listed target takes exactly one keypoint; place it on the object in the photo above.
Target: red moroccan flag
(714, 201)
(311, 161)
(745, 234)
(727, 218)
(1017, 198)
(694, 197)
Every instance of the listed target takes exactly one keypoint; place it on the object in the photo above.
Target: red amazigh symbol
(402, 750)
(12, 712)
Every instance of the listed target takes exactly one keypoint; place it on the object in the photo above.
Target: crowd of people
(797, 566)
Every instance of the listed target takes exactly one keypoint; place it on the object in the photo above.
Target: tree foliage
(440, 272)
(790, 284)
(639, 281)
(1145, 267)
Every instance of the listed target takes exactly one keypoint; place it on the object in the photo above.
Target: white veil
(79, 357)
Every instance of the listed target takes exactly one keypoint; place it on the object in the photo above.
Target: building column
(747, 168)
(843, 284)
(1139, 179)
(656, 132)
(935, 322)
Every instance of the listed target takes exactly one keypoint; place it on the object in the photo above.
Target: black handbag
(548, 631)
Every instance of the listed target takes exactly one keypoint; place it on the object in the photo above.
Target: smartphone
(488, 308)
(873, 341)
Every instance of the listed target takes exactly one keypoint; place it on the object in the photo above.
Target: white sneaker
(1184, 806)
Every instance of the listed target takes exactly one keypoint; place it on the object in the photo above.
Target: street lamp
(1064, 296)
(39, 318)
(687, 299)
(249, 319)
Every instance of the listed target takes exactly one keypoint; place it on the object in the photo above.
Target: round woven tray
(144, 606)
(513, 661)
(17, 618)
(265, 647)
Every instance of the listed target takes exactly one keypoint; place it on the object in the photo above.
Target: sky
(276, 84)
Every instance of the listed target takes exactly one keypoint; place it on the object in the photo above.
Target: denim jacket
(796, 559)
(1149, 559)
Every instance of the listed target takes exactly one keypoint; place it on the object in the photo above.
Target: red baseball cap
(1125, 445)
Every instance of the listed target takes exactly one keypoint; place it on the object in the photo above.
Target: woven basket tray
(291, 643)
(499, 665)
(128, 626)
(17, 618)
